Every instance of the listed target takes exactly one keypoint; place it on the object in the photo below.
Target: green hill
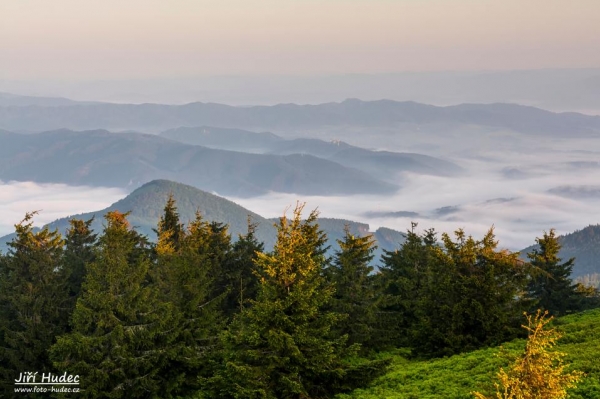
(147, 202)
(455, 377)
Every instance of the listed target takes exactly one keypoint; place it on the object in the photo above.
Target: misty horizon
(552, 89)
(518, 177)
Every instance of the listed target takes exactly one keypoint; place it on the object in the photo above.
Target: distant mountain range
(147, 202)
(381, 164)
(352, 112)
(146, 205)
(15, 100)
(101, 158)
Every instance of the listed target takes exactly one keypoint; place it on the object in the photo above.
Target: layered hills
(382, 113)
(101, 158)
(146, 205)
(377, 163)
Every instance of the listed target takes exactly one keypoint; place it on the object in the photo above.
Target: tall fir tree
(33, 299)
(119, 326)
(182, 274)
(402, 277)
(79, 251)
(169, 231)
(280, 346)
(240, 271)
(355, 291)
(219, 251)
(551, 285)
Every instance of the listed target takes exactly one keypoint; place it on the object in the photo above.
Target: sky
(132, 39)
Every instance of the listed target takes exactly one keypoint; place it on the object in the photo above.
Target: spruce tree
(33, 299)
(473, 296)
(551, 285)
(119, 327)
(79, 251)
(280, 346)
(182, 273)
(169, 230)
(403, 276)
(240, 272)
(355, 293)
(218, 253)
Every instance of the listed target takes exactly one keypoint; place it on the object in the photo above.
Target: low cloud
(52, 200)
(518, 210)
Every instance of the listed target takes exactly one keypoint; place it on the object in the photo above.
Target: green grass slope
(457, 376)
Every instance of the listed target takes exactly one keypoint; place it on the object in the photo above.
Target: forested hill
(147, 203)
(352, 112)
(101, 158)
(382, 164)
(584, 246)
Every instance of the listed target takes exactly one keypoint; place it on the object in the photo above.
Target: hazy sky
(124, 39)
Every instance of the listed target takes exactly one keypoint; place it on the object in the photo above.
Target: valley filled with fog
(520, 182)
(521, 185)
(52, 201)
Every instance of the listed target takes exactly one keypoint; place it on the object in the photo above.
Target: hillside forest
(197, 313)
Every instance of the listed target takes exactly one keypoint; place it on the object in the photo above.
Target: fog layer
(520, 185)
(53, 201)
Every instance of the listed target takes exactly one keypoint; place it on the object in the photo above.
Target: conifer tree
(551, 285)
(33, 299)
(169, 230)
(79, 251)
(279, 347)
(472, 296)
(182, 273)
(240, 272)
(119, 327)
(355, 293)
(403, 275)
(454, 297)
(219, 248)
(212, 241)
(538, 372)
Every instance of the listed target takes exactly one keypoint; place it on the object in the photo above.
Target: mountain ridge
(520, 118)
(101, 158)
(147, 202)
(381, 164)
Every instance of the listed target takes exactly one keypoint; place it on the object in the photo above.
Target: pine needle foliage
(539, 373)
(355, 292)
(33, 299)
(280, 346)
(182, 275)
(551, 285)
(80, 241)
(120, 328)
(240, 272)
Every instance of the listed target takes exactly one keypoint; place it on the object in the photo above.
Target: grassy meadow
(457, 376)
